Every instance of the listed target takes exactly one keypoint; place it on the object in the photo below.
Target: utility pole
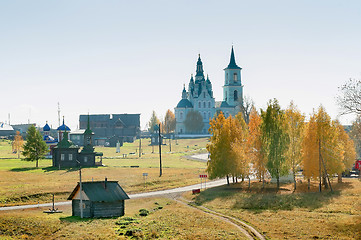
(58, 114)
(80, 191)
(81, 195)
(160, 151)
(319, 164)
(140, 145)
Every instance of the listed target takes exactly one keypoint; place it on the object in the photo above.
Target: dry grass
(167, 220)
(21, 183)
(286, 215)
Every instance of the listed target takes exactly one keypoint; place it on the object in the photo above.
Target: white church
(199, 97)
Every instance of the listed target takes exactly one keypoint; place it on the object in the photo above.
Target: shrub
(126, 221)
(143, 212)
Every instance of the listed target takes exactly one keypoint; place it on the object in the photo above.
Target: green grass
(22, 183)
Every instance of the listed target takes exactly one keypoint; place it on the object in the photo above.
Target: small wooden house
(100, 199)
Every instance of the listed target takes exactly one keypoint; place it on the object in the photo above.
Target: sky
(134, 56)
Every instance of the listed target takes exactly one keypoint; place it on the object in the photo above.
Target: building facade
(111, 128)
(199, 96)
(66, 153)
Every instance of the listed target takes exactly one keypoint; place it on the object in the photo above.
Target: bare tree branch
(246, 106)
(349, 99)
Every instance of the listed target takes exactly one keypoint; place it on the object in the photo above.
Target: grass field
(167, 219)
(282, 214)
(276, 213)
(22, 183)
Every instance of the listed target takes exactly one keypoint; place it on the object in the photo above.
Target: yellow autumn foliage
(326, 141)
(254, 144)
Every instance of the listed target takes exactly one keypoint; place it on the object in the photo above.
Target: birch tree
(295, 128)
(275, 140)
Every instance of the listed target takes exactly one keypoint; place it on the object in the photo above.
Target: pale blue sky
(135, 56)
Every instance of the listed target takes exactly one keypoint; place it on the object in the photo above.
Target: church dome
(46, 128)
(63, 128)
(184, 103)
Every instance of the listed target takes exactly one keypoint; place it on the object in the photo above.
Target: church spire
(88, 131)
(199, 67)
(184, 92)
(232, 63)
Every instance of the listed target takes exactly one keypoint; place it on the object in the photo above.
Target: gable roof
(97, 192)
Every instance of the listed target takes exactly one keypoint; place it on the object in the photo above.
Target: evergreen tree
(275, 140)
(35, 148)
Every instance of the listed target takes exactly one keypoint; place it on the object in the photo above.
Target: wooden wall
(98, 209)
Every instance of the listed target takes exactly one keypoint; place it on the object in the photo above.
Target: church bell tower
(233, 89)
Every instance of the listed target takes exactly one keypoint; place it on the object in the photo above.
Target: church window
(235, 77)
(199, 104)
(181, 116)
(209, 104)
(227, 78)
(209, 115)
(204, 104)
(70, 157)
(235, 95)
(204, 94)
(62, 157)
(204, 115)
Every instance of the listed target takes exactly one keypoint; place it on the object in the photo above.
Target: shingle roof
(97, 192)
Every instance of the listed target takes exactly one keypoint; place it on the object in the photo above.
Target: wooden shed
(100, 199)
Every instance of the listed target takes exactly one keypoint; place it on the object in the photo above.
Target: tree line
(279, 142)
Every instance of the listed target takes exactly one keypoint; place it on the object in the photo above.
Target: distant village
(108, 129)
